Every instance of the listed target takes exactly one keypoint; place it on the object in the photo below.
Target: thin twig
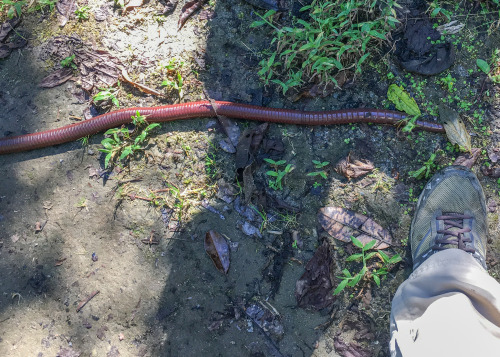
(84, 302)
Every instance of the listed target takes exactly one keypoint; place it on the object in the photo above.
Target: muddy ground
(167, 298)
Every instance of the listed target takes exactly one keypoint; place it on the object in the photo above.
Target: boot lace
(453, 233)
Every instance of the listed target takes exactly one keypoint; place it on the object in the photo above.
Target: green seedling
(426, 170)
(277, 174)
(377, 274)
(82, 13)
(175, 83)
(319, 165)
(437, 11)
(120, 145)
(106, 95)
(68, 62)
(448, 82)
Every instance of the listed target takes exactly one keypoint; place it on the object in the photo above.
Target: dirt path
(159, 292)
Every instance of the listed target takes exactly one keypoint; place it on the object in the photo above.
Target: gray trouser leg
(449, 306)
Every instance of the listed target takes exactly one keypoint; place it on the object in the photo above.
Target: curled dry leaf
(469, 159)
(342, 223)
(454, 127)
(66, 10)
(314, 288)
(353, 168)
(187, 10)
(493, 155)
(218, 250)
(132, 4)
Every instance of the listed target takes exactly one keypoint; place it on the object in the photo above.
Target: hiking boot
(450, 213)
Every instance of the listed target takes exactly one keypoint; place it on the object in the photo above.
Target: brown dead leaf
(8, 26)
(6, 48)
(218, 250)
(469, 159)
(314, 288)
(493, 155)
(353, 168)
(490, 171)
(96, 68)
(56, 78)
(187, 10)
(352, 349)
(342, 223)
(322, 90)
(132, 4)
(66, 10)
(454, 127)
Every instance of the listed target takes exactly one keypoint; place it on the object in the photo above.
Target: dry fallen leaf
(353, 168)
(469, 159)
(454, 127)
(218, 250)
(187, 10)
(314, 288)
(56, 78)
(342, 223)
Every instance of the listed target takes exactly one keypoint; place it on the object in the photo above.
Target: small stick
(84, 302)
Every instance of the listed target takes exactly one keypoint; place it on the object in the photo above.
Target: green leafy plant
(349, 279)
(82, 13)
(106, 95)
(319, 165)
(14, 7)
(68, 62)
(437, 10)
(120, 144)
(339, 37)
(277, 174)
(426, 170)
(174, 77)
(448, 82)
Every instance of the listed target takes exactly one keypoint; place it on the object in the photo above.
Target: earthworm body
(204, 109)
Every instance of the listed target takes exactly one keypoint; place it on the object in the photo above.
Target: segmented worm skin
(204, 109)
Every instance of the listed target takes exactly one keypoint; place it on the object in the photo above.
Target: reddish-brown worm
(204, 109)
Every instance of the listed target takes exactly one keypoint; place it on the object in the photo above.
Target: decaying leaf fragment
(353, 168)
(455, 128)
(57, 77)
(314, 288)
(469, 159)
(218, 250)
(187, 10)
(402, 100)
(342, 223)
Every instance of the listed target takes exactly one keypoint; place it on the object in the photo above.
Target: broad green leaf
(483, 65)
(272, 173)
(376, 279)
(402, 100)
(340, 287)
(347, 273)
(354, 257)
(384, 256)
(369, 245)
(356, 242)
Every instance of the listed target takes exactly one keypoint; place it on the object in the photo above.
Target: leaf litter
(218, 250)
(341, 224)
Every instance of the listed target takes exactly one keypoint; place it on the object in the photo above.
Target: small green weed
(120, 143)
(426, 170)
(436, 10)
(448, 82)
(319, 165)
(106, 95)
(174, 77)
(277, 174)
(377, 274)
(68, 62)
(82, 13)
